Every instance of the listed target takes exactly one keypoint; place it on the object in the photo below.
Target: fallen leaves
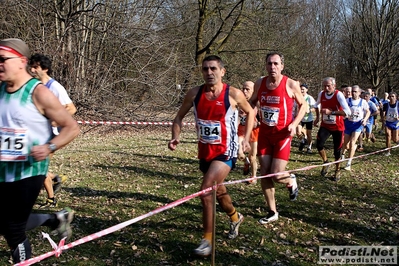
(117, 179)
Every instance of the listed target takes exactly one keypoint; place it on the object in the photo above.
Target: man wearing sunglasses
(27, 109)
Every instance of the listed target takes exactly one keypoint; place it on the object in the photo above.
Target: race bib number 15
(209, 131)
(13, 143)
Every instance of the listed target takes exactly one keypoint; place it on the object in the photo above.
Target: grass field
(119, 173)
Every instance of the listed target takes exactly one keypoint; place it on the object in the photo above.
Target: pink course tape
(57, 251)
(109, 230)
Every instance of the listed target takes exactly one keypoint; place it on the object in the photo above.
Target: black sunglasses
(3, 59)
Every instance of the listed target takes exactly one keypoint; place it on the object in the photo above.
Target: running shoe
(57, 182)
(234, 226)
(324, 170)
(50, 203)
(337, 176)
(293, 189)
(65, 218)
(360, 148)
(302, 144)
(347, 167)
(388, 153)
(309, 151)
(254, 181)
(204, 249)
(271, 217)
(246, 166)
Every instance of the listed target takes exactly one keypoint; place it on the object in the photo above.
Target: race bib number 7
(209, 131)
(13, 144)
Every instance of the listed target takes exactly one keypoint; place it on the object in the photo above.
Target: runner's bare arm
(302, 106)
(239, 97)
(47, 103)
(253, 101)
(177, 122)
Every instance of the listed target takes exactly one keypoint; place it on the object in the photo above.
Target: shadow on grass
(349, 210)
(163, 158)
(367, 233)
(87, 192)
(150, 173)
(185, 140)
(144, 244)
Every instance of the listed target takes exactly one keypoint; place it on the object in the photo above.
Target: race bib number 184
(209, 131)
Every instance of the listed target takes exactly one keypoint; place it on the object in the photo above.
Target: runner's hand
(246, 147)
(40, 152)
(292, 130)
(172, 145)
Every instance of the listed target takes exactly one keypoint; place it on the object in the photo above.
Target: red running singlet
(331, 122)
(216, 124)
(275, 107)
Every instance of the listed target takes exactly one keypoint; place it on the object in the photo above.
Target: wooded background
(134, 60)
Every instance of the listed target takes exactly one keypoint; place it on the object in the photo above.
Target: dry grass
(117, 173)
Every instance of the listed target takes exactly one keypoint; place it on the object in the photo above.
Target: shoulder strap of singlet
(2, 89)
(263, 83)
(32, 83)
(48, 84)
(198, 96)
(226, 97)
(2, 85)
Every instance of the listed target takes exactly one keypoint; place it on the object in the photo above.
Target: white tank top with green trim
(21, 127)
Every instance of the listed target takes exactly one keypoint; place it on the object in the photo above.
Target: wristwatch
(52, 146)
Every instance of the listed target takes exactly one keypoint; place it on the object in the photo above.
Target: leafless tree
(133, 60)
(373, 34)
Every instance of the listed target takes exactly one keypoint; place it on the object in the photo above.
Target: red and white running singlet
(275, 108)
(331, 122)
(216, 123)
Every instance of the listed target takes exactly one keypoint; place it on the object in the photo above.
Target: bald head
(248, 89)
(348, 92)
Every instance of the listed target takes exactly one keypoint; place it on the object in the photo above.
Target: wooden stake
(214, 224)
